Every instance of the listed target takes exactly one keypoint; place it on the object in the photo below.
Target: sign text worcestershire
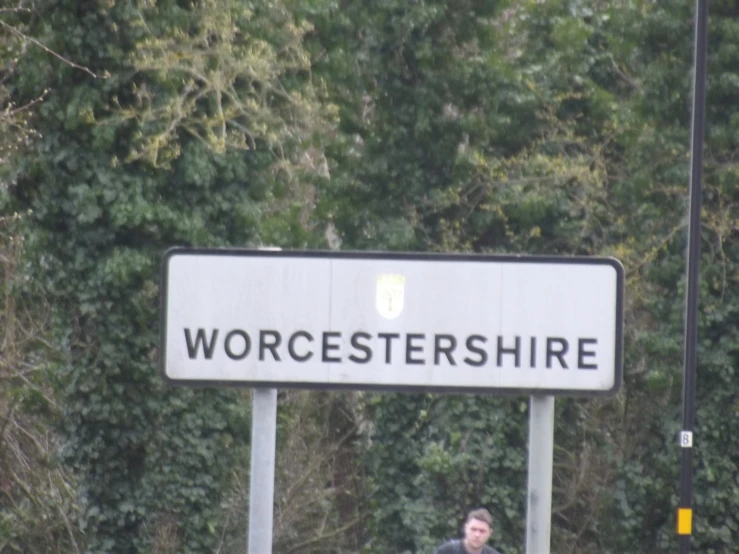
(361, 347)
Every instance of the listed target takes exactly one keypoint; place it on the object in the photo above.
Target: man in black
(477, 530)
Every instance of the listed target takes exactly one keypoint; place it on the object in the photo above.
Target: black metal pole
(690, 360)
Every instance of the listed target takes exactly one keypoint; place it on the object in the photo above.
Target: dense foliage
(558, 127)
(108, 192)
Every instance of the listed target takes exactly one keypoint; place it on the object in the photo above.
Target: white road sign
(359, 320)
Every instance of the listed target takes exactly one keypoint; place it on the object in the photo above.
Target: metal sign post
(541, 457)
(262, 478)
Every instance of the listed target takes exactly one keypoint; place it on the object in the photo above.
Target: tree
(116, 177)
(558, 127)
(38, 507)
(656, 155)
(560, 139)
(457, 142)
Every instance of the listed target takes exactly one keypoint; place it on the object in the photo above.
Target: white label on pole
(392, 321)
(686, 439)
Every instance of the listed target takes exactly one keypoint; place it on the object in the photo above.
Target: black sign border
(408, 256)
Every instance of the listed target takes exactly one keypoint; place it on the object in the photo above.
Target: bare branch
(46, 48)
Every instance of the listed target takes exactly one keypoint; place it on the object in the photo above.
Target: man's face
(476, 534)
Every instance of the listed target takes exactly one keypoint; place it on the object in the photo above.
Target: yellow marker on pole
(684, 521)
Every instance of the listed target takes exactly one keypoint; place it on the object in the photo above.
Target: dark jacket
(455, 547)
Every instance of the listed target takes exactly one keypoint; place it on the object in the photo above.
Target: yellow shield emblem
(389, 295)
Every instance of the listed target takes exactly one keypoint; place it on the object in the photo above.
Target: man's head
(477, 530)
